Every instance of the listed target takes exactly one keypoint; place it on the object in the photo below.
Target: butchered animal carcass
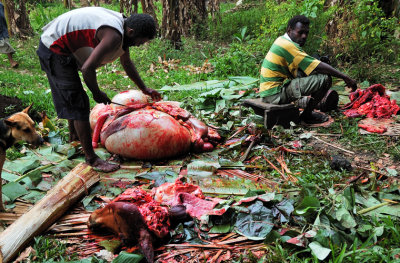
(149, 131)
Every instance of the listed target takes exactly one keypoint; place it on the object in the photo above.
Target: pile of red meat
(188, 195)
(371, 102)
(155, 215)
(154, 211)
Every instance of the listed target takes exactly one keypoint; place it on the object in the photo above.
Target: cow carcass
(149, 131)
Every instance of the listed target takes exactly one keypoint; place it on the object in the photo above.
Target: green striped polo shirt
(282, 61)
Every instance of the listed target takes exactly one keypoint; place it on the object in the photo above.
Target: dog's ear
(10, 123)
(26, 110)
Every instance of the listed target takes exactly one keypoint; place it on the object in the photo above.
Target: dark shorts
(69, 97)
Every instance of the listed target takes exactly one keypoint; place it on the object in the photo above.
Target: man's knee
(326, 83)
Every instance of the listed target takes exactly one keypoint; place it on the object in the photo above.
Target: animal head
(23, 127)
(125, 220)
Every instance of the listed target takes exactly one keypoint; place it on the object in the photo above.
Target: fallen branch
(334, 146)
(58, 200)
(370, 170)
(198, 245)
(138, 167)
(328, 134)
(285, 168)
(276, 168)
(237, 132)
(244, 157)
(369, 209)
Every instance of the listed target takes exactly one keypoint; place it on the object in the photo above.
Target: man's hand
(101, 97)
(155, 95)
(351, 83)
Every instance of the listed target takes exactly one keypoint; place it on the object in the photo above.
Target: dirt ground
(9, 105)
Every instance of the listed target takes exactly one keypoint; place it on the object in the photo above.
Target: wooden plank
(52, 206)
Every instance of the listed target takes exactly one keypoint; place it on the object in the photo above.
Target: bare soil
(9, 106)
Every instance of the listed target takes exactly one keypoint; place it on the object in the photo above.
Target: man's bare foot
(103, 166)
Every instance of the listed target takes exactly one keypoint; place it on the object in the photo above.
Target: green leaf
(204, 167)
(212, 93)
(55, 138)
(244, 80)
(318, 250)
(9, 176)
(206, 85)
(159, 177)
(307, 206)
(33, 196)
(345, 218)
(284, 209)
(103, 153)
(256, 224)
(14, 190)
(391, 172)
(125, 257)
(21, 166)
(44, 185)
(221, 229)
(87, 200)
(35, 176)
(219, 105)
(63, 149)
(110, 245)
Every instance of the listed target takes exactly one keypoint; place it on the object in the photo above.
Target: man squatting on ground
(288, 74)
(85, 39)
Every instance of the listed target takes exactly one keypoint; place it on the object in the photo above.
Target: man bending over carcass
(85, 39)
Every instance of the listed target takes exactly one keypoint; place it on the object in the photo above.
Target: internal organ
(149, 131)
(372, 102)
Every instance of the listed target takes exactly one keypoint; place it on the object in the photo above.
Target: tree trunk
(213, 9)
(52, 206)
(182, 18)
(125, 7)
(18, 19)
(391, 8)
(85, 3)
(171, 27)
(8, 18)
(148, 7)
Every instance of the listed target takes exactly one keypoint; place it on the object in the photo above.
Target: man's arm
(133, 74)
(110, 39)
(329, 70)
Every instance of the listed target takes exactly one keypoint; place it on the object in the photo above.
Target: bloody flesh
(149, 131)
(372, 103)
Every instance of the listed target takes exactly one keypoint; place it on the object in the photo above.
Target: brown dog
(17, 127)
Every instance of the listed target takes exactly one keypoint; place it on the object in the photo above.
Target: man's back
(75, 32)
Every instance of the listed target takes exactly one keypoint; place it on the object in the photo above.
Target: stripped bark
(182, 18)
(125, 7)
(85, 3)
(148, 7)
(17, 18)
(57, 201)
